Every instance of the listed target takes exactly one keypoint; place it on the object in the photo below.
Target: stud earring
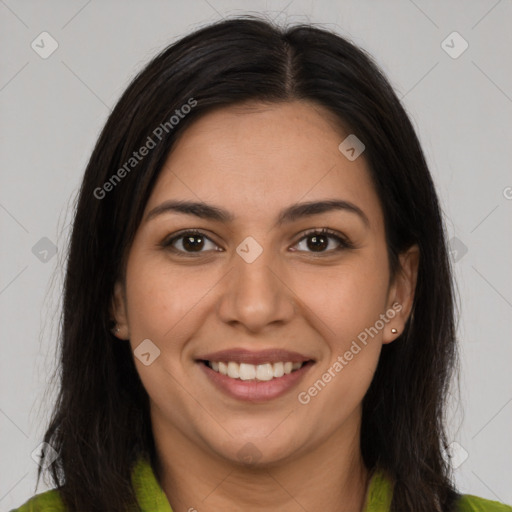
(115, 330)
(393, 330)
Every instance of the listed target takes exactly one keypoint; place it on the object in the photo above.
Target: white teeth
(278, 369)
(245, 371)
(233, 370)
(265, 372)
(223, 368)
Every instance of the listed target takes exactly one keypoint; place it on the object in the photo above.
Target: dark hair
(101, 423)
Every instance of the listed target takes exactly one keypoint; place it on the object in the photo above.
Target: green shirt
(152, 498)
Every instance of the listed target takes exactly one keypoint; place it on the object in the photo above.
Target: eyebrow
(289, 214)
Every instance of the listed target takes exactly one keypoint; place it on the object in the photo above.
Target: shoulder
(48, 501)
(380, 494)
(470, 503)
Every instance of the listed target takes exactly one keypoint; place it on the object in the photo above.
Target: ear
(401, 293)
(118, 311)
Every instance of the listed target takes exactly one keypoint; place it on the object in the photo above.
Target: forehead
(246, 156)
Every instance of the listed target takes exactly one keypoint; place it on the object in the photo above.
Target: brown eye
(318, 241)
(195, 242)
(189, 242)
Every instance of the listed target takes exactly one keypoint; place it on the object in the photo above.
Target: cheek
(354, 300)
(347, 298)
(160, 299)
(334, 395)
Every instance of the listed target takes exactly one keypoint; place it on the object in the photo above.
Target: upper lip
(239, 355)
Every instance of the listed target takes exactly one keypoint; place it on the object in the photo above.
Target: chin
(256, 452)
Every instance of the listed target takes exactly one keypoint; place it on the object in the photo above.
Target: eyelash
(344, 243)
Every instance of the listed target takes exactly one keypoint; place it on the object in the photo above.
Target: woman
(258, 309)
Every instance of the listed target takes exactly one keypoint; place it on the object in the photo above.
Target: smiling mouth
(253, 372)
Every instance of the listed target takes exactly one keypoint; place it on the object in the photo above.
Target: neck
(328, 477)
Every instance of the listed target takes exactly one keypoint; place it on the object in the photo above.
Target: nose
(256, 294)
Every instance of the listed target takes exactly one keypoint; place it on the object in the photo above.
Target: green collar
(150, 494)
(152, 498)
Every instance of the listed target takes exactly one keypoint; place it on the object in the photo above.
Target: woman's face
(256, 290)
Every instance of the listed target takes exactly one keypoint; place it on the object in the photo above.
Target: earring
(115, 330)
(393, 330)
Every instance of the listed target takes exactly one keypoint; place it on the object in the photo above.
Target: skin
(316, 303)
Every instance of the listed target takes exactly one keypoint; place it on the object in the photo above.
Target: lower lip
(256, 390)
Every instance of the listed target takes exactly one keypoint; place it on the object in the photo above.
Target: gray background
(53, 109)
